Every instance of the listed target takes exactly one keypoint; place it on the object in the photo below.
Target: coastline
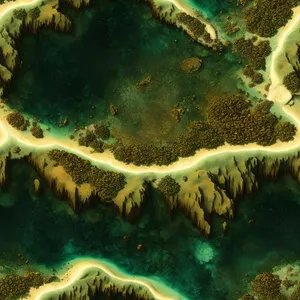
(82, 265)
(10, 135)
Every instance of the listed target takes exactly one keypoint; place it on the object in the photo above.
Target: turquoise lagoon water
(45, 231)
(114, 45)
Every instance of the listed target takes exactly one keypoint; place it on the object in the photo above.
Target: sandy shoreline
(80, 266)
(11, 136)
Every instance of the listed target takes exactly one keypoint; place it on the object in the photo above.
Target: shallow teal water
(44, 230)
(214, 8)
(114, 45)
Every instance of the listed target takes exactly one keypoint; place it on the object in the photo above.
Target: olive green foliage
(102, 131)
(256, 77)
(15, 286)
(34, 13)
(168, 186)
(243, 2)
(17, 120)
(20, 13)
(229, 118)
(193, 24)
(285, 131)
(292, 82)
(265, 17)
(37, 131)
(200, 135)
(296, 294)
(106, 183)
(267, 286)
(90, 139)
(232, 117)
(255, 54)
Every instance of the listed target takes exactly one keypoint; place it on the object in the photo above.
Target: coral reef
(190, 65)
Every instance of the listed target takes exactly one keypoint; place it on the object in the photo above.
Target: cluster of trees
(255, 54)
(107, 184)
(17, 120)
(230, 118)
(265, 17)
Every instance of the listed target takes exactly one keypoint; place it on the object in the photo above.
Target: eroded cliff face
(202, 192)
(44, 14)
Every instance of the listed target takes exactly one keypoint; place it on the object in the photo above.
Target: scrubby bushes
(267, 286)
(17, 120)
(232, 117)
(265, 17)
(20, 13)
(37, 131)
(94, 138)
(256, 77)
(168, 186)
(34, 13)
(107, 184)
(193, 24)
(15, 286)
(292, 82)
(255, 54)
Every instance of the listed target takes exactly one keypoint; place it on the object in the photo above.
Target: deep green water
(113, 45)
(44, 230)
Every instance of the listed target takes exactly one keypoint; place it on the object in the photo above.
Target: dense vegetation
(17, 120)
(94, 137)
(107, 184)
(265, 17)
(255, 53)
(15, 286)
(230, 119)
(193, 24)
(37, 131)
(256, 77)
(292, 82)
(168, 186)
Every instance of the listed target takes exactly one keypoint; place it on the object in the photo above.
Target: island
(200, 166)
